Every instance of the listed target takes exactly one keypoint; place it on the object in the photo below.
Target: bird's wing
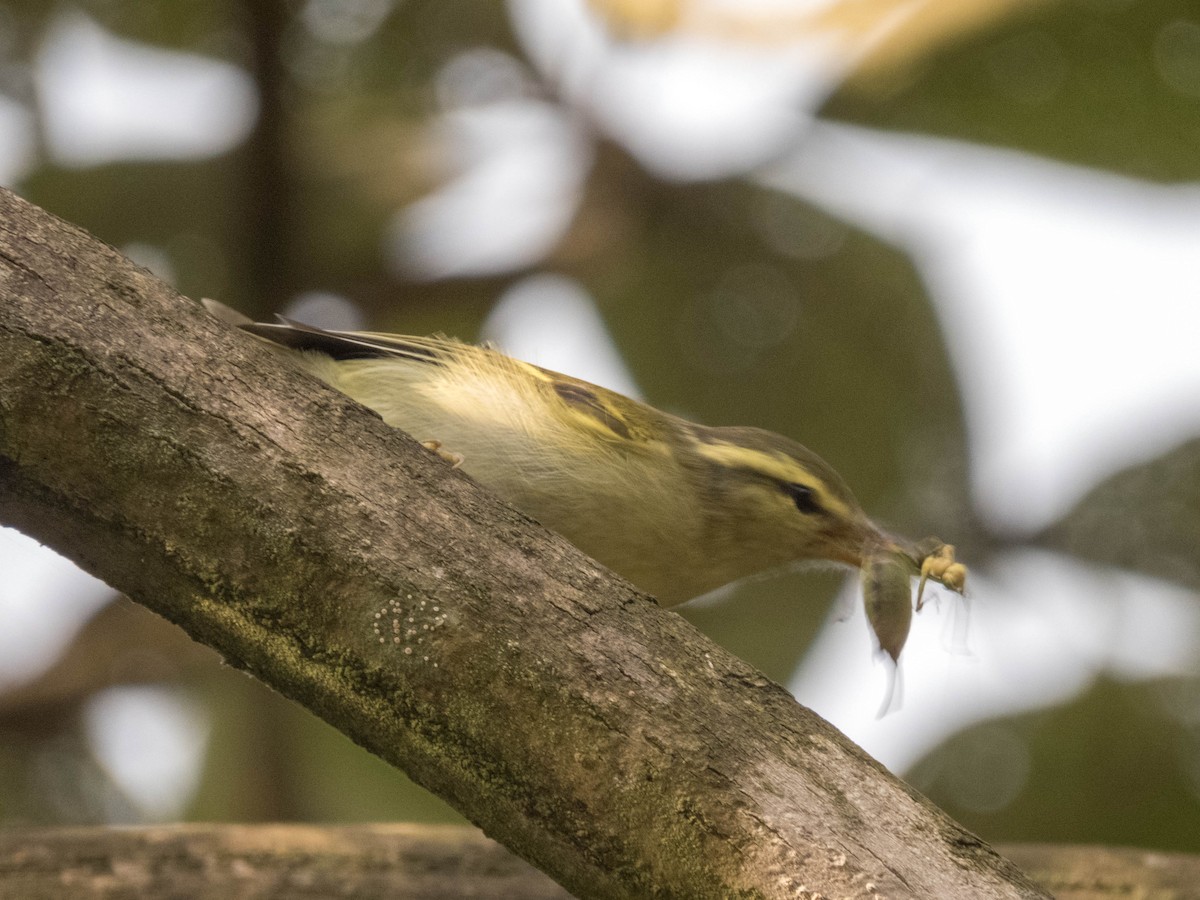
(600, 411)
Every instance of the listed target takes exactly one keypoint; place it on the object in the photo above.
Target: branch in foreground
(595, 734)
(1076, 872)
(416, 862)
(216, 862)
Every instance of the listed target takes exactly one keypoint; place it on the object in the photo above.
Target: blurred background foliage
(683, 172)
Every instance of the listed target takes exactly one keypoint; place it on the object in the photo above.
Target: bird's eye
(804, 497)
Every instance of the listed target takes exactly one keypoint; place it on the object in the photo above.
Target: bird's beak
(855, 540)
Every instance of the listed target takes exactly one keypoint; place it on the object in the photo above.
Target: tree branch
(592, 732)
(420, 862)
(288, 862)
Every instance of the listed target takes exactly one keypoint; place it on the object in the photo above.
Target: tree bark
(288, 862)
(420, 862)
(595, 734)
(1074, 872)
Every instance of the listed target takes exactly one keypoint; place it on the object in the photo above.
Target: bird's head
(776, 501)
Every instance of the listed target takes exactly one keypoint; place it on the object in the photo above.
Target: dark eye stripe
(805, 498)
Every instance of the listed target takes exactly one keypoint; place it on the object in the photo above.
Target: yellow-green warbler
(677, 508)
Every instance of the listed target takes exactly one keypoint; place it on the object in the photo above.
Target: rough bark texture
(420, 862)
(220, 862)
(594, 733)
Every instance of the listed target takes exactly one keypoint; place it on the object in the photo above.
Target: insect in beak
(888, 568)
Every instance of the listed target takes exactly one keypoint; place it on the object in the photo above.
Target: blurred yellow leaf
(882, 36)
(639, 18)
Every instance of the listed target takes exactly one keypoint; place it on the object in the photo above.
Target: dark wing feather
(591, 407)
(344, 344)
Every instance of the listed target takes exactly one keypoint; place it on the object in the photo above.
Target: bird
(675, 507)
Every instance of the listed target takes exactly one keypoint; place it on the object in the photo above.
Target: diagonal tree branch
(592, 732)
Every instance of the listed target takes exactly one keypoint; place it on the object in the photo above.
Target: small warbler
(676, 508)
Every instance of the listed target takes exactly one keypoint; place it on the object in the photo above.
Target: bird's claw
(435, 447)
